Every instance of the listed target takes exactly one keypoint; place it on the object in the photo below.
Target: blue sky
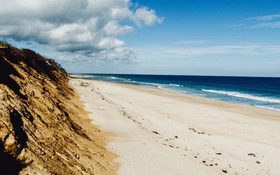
(211, 23)
(215, 20)
(193, 37)
(215, 23)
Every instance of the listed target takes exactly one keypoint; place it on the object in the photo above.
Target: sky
(182, 37)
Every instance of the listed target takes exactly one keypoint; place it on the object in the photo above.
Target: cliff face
(41, 119)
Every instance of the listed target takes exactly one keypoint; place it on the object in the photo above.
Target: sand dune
(164, 133)
(44, 128)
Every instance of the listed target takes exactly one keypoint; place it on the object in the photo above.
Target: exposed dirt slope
(41, 119)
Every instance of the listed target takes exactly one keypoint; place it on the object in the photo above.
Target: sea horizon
(194, 75)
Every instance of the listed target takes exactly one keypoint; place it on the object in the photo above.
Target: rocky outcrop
(43, 128)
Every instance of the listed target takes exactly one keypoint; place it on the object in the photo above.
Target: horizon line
(148, 74)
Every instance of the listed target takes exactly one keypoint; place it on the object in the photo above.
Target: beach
(167, 133)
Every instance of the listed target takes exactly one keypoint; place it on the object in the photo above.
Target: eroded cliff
(43, 127)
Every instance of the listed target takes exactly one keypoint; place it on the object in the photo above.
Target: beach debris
(219, 153)
(258, 162)
(176, 137)
(252, 154)
(224, 171)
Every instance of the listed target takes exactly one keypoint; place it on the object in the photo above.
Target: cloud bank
(89, 28)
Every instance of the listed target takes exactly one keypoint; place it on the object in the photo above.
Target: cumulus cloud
(87, 27)
(144, 16)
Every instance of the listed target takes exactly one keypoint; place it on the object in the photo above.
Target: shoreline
(230, 94)
(161, 132)
(195, 98)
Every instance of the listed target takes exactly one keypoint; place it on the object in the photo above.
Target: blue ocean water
(255, 91)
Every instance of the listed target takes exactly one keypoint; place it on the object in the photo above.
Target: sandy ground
(165, 133)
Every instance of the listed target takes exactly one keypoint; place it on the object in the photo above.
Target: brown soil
(43, 125)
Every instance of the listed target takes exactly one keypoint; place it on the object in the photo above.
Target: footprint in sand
(252, 154)
(199, 132)
(155, 132)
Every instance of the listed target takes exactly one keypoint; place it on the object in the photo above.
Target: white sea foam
(114, 78)
(81, 76)
(176, 85)
(151, 84)
(267, 107)
(243, 95)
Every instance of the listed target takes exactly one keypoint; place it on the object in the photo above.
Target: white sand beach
(156, 132)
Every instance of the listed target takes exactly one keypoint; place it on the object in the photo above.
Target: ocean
(260, 92)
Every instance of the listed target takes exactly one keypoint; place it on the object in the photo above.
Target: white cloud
(145, 16)
(110, 43)
(112, 28)
(268, 21)
(188, 51)
(90, 27)
(266, 18)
